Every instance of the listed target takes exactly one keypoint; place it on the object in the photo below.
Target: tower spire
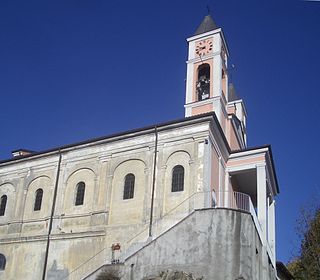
(206, 25)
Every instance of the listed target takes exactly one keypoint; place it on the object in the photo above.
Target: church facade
(187, 195)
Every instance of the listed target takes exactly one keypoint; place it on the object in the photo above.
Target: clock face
(204, 47)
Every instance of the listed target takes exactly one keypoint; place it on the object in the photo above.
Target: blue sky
(71, 70)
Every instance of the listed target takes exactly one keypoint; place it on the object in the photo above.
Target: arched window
(2, 262)
(128, 189)
(203, 82)
(81, 187)
(38, 200)
(3, 203)
(177, 179)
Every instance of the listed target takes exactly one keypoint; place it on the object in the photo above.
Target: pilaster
(262, 199)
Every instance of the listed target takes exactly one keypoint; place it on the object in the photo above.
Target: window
(128, 189)
(177, 179)
(38, 200)
(203, 83)
(81, 186)
(3, 204)
(2, 262)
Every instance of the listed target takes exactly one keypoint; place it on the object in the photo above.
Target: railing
(180, 210)
(197, 200)
(239, 201)
(242, 201)
(233, 200)
(256, 222)
(177, 213)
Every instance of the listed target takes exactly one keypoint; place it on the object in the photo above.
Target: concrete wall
(217, 244)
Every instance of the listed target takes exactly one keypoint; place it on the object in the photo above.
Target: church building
(186, 195)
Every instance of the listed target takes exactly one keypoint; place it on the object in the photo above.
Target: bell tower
(207, 75)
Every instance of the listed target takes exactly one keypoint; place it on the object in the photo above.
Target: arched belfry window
(3, 204)
(2, 262)
(80, 190)
(177, 179)
(128, 190)
(203, 82)
(38, 200)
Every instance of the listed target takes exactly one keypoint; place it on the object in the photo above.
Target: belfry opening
(203, 82)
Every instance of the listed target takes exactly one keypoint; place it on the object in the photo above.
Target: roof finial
(208, 9)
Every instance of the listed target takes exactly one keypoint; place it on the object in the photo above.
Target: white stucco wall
(82, 235)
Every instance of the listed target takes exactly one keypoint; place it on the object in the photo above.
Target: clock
(204, 47)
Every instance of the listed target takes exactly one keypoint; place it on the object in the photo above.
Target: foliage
(307, 265)
(296, 269)
(173, 275)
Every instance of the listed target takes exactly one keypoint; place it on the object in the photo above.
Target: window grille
(81, 186)
(177, 179)
(38, 200)
(128, 189)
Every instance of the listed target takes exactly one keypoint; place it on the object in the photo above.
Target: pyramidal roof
(206, 25)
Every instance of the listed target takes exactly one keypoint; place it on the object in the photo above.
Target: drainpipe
(153, 179)
(131, 271)
(51, 218)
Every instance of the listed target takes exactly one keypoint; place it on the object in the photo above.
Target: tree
(307, 265)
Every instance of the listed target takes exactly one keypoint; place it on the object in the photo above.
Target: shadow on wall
(109, 274)
(54, 273)
(165, 275)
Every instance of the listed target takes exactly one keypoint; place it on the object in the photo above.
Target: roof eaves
(268, 147)
(119, 136)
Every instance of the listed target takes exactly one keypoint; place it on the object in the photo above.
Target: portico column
(262, 199)
(271, 228)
